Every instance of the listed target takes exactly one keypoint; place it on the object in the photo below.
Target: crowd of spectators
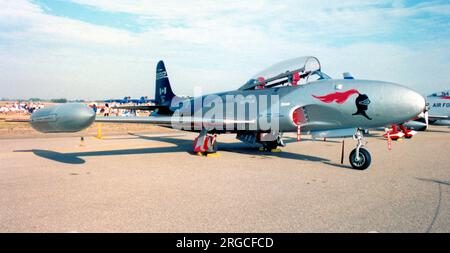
(27, 108)
(109, 109)
(20, 107)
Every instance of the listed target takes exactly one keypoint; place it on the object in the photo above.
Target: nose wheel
(360, 161)
(359, 157)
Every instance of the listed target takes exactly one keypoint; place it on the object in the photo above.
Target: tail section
(163, 91)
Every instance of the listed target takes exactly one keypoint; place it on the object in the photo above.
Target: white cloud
(30, 22)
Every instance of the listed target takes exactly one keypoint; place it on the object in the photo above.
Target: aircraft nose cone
(417, 102)
(405, 103)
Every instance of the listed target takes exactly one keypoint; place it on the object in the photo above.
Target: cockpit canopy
(294, 71)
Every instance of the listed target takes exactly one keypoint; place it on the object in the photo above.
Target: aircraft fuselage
(324, 105)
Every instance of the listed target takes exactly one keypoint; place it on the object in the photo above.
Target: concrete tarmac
(151, 182)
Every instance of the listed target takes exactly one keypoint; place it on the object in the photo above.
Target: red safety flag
(389, 140)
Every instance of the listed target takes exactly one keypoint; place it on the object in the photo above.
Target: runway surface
(153, 183)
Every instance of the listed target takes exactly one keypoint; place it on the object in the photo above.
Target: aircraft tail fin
(163, 91)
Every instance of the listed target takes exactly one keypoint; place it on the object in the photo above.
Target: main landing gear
(359, 157)
(205, 143)
(271, 141)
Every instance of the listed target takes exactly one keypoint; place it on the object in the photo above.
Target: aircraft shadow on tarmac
(442, 182)
(181, 145)
(436, 131)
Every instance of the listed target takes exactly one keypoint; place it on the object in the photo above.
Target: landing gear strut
(272, 144)
(359, 157)
(205, 143)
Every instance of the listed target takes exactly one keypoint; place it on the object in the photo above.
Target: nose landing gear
(359, 157)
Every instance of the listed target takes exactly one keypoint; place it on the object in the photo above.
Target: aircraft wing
(114, 101)
(157, 120)
(176, 121)
(141, 101)
(437, 117)
(139, 107)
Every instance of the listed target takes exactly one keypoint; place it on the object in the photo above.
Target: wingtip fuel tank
(72, 117)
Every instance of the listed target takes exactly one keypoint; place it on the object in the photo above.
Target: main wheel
(269, 145)
(364, 159)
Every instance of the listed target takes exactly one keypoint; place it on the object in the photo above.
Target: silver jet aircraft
(290, 96)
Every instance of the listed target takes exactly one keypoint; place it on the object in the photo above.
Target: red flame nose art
(338, 97)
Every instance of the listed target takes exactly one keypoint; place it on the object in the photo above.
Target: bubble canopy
(301, 64)
(279, 73)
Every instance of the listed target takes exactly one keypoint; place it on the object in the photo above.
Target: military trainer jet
(290, 96)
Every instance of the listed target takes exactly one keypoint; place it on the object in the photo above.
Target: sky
(99, 49)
